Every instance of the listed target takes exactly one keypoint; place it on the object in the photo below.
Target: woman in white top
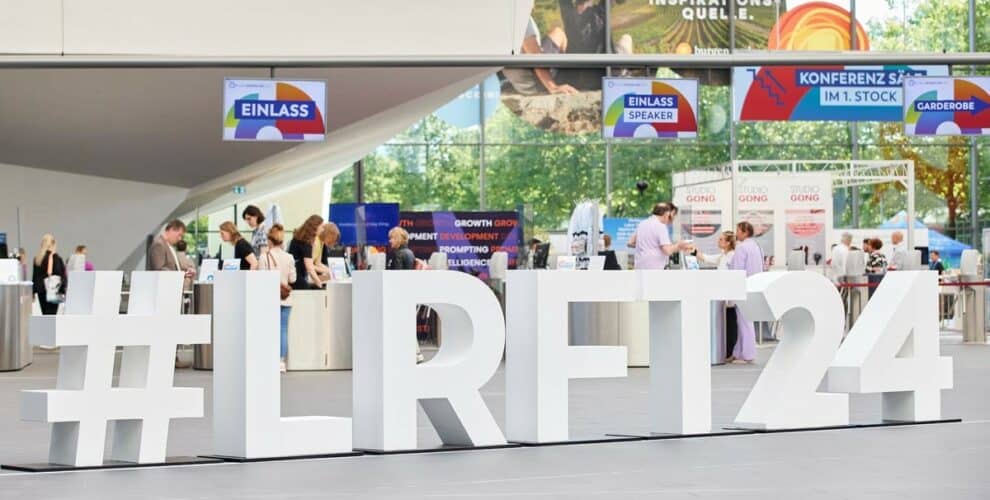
(276, 258)
(727, 245)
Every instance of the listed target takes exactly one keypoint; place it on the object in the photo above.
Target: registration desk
(320, 328)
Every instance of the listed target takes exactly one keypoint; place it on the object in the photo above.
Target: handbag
(284, 290)
(53, 284)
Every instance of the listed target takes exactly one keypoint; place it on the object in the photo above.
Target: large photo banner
(947, 106)
(468, 238)
(823, 93)
(645, 108)
(274, 110)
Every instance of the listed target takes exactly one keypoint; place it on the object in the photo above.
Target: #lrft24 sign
(947, 106)
(645, 108)
(274, 110)
(823, 93)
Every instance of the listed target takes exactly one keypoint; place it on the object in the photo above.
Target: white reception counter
(320, 328)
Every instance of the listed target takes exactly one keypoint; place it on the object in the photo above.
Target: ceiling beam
(762, 58)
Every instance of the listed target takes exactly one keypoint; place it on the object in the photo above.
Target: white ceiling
(164, 126)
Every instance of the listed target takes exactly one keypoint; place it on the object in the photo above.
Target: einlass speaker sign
(274, 110)
(646, 108)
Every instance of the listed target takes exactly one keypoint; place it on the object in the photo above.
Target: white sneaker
(281, 367)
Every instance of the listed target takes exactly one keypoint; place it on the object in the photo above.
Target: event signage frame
(649, 108)
(957, 105)
(268, 110)
(823, 93)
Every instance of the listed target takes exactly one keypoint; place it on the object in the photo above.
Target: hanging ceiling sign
(644, 108)
(947, 106)
(274, 110)
(823, 93)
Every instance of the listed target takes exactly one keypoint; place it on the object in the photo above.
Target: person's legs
(284, 344)
(746, 341)
(731, 332)
(47, 308)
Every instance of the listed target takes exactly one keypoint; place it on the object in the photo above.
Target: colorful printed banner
(947, 106)
(468, 238)
(823, 93)
(646, 108)
(274, 110)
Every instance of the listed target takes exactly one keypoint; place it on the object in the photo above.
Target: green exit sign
(240, 190)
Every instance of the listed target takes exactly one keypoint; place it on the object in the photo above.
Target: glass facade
(532, 137)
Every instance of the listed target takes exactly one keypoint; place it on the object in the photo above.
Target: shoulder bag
(284, 290)
(53, 283)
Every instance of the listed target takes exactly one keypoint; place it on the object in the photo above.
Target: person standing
(185, 263)
(727, 245)
(77, 261)
(161, 255)
(935, 262)
(301, 250)
(400, 257)
(327, 246)
(747, 257)
(278, 259)
(898, 256)
(876, 261)
(652, 238)
(242, 249)
(259, 234)
(840, 253)
(48, 264)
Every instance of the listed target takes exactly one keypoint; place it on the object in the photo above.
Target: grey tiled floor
(935, 461)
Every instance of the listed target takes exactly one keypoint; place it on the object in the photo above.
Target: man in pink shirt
(652, 238)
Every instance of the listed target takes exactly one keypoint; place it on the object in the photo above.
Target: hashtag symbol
(144, 400)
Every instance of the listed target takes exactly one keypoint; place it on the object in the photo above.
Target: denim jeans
(284, 346)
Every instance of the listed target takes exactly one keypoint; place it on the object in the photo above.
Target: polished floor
(933, 461)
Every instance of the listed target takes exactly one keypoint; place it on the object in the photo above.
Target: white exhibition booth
(789, 203)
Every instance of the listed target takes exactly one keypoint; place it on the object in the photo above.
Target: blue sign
(247, 109)
(364, 223)
(620, 230)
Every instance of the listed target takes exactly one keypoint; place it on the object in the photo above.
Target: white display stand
(320, 328)
(10, 271)
(778, 185)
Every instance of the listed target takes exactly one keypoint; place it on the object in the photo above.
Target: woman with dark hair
(242, 249)
(259, 235)
(301, 250)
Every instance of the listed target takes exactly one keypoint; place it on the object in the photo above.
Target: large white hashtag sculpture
(144, 400)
